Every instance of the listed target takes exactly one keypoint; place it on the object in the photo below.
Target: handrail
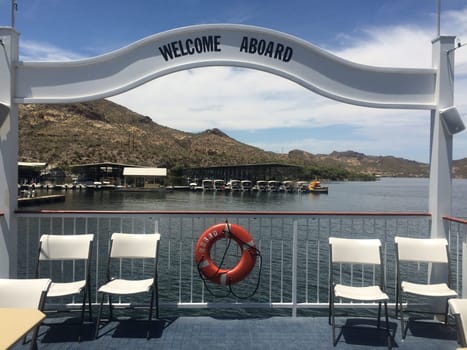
(218, 212)
(454, 219)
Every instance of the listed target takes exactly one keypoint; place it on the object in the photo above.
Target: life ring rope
(217, 274)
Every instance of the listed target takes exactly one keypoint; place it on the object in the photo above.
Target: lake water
(386, 195)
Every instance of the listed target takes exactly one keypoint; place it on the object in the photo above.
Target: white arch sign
(225, 45)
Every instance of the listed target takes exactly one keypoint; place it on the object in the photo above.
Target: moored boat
(106, 185)
(219, 185)
(274, 186)
(261, 186)
(207, 185)
(302, 186)
(246, 185)
(234, 185)
(289, 186)
(315, 187)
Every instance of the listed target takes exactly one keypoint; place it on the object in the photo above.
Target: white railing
(457, 237)
(293, 246)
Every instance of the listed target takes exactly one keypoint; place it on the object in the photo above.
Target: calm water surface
(388, 194)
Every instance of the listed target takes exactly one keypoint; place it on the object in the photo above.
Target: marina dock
(23, 202)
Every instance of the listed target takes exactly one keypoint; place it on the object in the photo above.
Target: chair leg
(329, 308)
(110, 308)
(333, 321)
(379, 315)
(82, 315)
(446, 312)
(99, 316)
(397, 303)
(402, 318)
(33, 345)
(89, 302)
(150, 313)
(83, 305)
(387, 325)
(157, 299)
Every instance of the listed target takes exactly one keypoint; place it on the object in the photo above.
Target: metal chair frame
(109, 279)
(382, 299)
(458, 308)
(63, 248)
(438, 255)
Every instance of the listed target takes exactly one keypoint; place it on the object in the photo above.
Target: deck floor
(204, 332)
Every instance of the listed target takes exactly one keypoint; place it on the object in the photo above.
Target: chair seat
(370, 293)
(69, 288)
(458, 306)
(121, 286)
(430, 290)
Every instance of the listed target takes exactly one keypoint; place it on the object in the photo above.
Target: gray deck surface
(204, 332)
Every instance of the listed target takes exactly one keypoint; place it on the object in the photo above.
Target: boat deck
(205, 332)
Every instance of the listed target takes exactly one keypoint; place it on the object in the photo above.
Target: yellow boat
(315, 187)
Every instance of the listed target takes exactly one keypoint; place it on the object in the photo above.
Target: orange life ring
(207, 266)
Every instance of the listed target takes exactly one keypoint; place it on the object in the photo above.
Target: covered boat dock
(144, 178)
(253, 172)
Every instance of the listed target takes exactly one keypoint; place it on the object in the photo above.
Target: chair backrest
(459, 310)
(355, 251)
(23, 293)
(65, 247)
(424, 250)
(134, 245)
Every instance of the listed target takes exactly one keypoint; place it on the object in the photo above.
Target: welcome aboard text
(212, 43)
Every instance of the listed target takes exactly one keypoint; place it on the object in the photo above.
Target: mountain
(459, 168)
(102, 131)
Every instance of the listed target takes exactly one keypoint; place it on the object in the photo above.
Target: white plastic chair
(68, 248)
(458, 308)
(131, 246)
(363, 252)
(427, 251)
(24, 294)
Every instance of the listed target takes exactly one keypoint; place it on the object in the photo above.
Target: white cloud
(401, 46)
(40, 51)
(222, 97)
(455, 23)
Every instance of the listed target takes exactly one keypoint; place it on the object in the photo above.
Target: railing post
(464, 264)
(294, 267)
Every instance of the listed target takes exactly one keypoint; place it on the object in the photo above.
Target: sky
(255, 107)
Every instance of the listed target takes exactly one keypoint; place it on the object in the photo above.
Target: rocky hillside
(102, 131)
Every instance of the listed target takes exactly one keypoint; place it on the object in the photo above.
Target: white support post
(440, 138)
(8, 153)
(441, 151)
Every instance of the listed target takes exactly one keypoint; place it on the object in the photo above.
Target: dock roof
(144, 172)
